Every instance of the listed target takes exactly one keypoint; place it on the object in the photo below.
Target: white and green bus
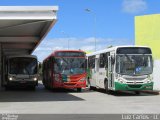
(121, 68)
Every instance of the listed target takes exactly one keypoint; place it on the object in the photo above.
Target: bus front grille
(134, 82)
(135, 79)
(70, 84)
(135, 86)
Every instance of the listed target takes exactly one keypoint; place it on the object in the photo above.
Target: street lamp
(66, 36)
(95, 20)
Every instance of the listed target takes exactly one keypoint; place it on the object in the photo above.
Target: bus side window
(50, 63)
(43, 67)
(47, 65)
(106, 60)
(102, 61)
(44, 70)
(6, 70)
(85, 64)
(91, 62)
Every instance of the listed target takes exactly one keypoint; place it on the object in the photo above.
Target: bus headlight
(121, 80)
(149, 77)
(118, 76)
(82, 79)
(148, 81)
(35, 79)
(10, 78)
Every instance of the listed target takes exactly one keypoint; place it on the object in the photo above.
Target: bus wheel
(106, 87)
(137, 92)
(79, 89)
(92, 88)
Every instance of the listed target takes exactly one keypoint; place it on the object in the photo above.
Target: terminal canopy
(22, 28)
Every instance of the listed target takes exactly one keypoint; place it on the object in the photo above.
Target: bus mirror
(112, 59)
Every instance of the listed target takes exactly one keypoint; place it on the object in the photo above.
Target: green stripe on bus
(133, 87)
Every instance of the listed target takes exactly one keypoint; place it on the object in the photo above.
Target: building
(22, 28)
(147, 33)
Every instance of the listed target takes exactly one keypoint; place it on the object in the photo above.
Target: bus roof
(29, 56)
(22, 28)
(114, 49)
(53, 53)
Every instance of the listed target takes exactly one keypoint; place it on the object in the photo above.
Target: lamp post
(67, 37)
(95, 20)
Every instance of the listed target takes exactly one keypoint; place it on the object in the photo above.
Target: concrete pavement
(43, 101)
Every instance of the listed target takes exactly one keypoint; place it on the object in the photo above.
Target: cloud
(134, 6)
(86, 44)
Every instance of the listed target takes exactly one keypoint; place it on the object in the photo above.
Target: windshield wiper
(64, 60)
(128, 58)
(27, 71)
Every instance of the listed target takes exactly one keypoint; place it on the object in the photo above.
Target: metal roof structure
(22, 28)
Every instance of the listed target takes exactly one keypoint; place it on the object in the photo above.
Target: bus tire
(79, 89)
(106, 87)
(92, 88)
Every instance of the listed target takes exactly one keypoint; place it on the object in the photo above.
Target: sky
(110, 22)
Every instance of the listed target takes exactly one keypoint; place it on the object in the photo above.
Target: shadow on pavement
(130, 93)
(124, 93)
(38, 95)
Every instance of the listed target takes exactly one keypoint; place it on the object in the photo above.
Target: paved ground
(67, 101)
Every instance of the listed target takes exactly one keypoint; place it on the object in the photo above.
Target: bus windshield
(69, 66)
(23, 65)
(134, 64)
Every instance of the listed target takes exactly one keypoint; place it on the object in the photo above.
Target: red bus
(65, 69)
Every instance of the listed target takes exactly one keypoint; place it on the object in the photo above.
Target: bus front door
(97, 71)
(110, 73)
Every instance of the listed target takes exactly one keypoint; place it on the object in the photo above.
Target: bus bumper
(73, 85)
(133, 87)
(22, 83)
